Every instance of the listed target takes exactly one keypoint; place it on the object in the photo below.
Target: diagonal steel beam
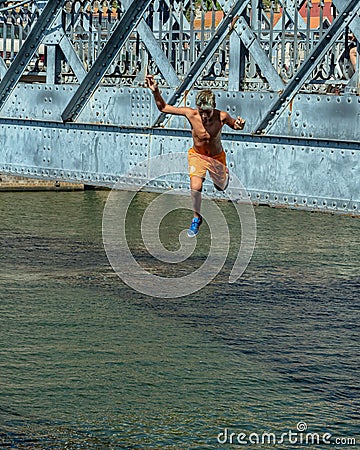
(205, 55)
(28, 49)
(72, 57)
(150, 43)
(122, 31)
(252, 44)
(157, 54)
(355, 23)
(249, 40)
(290, 7)
(156, 51)
(314, 57)
(57, 36)
(3, 68)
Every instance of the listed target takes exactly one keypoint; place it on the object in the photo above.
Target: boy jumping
(207, 153)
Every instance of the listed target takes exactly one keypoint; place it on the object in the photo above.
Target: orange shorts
(215, 165)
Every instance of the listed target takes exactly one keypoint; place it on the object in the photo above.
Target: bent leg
(223, 183)
(219, 172)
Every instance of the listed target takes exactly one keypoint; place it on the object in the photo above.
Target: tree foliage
(209, 5)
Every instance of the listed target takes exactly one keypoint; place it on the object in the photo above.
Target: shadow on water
(86, 362)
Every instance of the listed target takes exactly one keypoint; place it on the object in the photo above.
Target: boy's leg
(197, 171)
(196, 188)
(219, 173)
(224, 183)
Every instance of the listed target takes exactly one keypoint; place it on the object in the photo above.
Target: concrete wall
(16, 183)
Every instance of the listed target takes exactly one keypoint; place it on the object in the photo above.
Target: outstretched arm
(235, 124)
(353, 54)
(151, 83)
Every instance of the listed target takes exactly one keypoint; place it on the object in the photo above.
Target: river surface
(86, 362)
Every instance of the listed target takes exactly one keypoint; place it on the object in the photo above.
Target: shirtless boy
(207, 153)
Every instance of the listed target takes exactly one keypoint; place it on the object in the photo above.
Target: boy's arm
(235, 124)
(352, 56)
(160, 102)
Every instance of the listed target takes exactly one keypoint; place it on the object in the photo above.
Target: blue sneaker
(194, 227)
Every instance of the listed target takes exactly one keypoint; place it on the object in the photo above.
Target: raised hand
(151, 83)
(239, 123)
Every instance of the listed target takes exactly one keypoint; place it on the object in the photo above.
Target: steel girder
(92, 79)
(290, 166)
(29, 47)
(57, 37)
(355, 22)
(89, 81)
(315, 56)
(204, 57)
(354, 26)
(250, 42)
(312, 174)
(291, 10)
(3, 68)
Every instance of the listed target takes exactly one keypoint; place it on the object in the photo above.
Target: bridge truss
(73, 105)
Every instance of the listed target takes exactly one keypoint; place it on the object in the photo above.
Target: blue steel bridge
(73, 106)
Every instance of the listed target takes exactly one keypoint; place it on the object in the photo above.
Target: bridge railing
(285, 35)
(15, 25)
